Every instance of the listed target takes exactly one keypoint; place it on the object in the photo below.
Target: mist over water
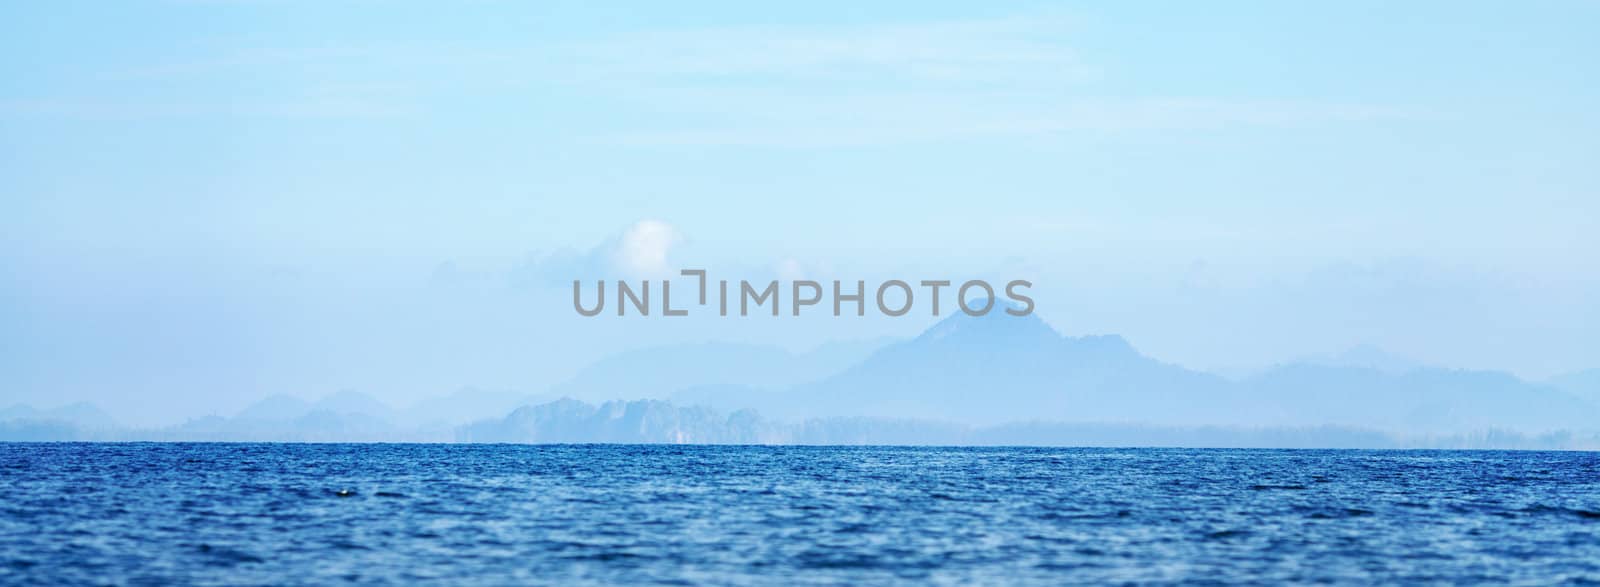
(633, 514)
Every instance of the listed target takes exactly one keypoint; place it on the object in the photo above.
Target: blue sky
(213, 200)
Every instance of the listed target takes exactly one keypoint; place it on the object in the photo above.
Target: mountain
(657, 372)
(79, 415)
(80, 421)
(657, 422)
(1423, 400)
(313, 426)
(998, 368)
(965, 380)
(640, 421)
(349, 416)
(465, 405)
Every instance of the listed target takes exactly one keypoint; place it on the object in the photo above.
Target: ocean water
(613, 514)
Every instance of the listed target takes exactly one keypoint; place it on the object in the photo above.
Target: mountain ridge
(989, 371)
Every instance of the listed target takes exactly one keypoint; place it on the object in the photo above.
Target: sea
(276, 514)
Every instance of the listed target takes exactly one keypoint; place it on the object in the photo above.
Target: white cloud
(643, 250)
(644, 246)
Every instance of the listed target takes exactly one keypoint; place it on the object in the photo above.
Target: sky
(204, 202)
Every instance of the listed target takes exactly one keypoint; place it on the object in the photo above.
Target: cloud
(650, 249)
(642, 250)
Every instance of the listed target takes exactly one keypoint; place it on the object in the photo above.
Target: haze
(206, 203)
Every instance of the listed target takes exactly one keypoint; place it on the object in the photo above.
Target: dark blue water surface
(496, 514)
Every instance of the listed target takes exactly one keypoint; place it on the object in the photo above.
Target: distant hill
(998, 368)
(78, 421)
(965, 380)
(640, 421)
(460, 407)
(78, 415)
(345, 416)
(658, 372)
(659, 422)
(1424, 400)
(314, 426)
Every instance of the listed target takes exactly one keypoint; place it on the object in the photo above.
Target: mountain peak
(995, 327)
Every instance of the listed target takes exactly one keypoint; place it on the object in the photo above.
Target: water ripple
(498, 514)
